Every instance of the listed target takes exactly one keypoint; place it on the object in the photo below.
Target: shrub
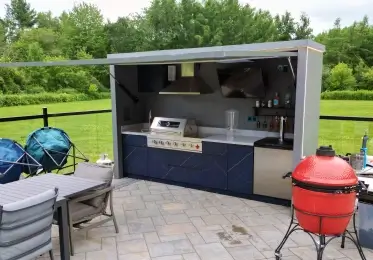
(347, 95)
(35, 89)
(92, 89)
(47, 98)
(67, 91)
(340, 78)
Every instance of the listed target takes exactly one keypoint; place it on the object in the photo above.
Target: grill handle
(362, 186)
(287, 175)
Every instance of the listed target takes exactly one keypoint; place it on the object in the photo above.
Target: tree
(337, 45)
(325, 78)
(285, 26)
(341, 78)
(367, 79)
(302, 28)
(82, 33)
(19, 15)
(47, 39)
(3, 33)
(83, 28)
(128, 34)
(48, 21)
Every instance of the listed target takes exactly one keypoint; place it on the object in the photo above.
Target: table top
(68, 186)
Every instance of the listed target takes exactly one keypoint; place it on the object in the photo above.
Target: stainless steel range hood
(187, 84)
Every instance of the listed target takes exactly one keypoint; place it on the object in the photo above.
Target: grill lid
(324, 170)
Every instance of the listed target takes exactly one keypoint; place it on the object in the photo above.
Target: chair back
(96, 172)
(26, 226)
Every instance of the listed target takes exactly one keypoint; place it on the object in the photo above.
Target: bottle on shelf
(288, 98)
(276, 100)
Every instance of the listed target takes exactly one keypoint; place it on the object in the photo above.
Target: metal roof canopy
(205, 54)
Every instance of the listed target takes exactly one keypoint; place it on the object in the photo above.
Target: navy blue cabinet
(220, 166)
(134, 140)
(190, 168)
(159, 160)
(214, 148)
(134, 160)
(134, 154)
(240, 168)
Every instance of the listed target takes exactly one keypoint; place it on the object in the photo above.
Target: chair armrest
(92, 195)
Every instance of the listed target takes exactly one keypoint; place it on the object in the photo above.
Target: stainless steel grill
(174, 134)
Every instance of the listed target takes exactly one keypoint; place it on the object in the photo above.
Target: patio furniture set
(29, 208)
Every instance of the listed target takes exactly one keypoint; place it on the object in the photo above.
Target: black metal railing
(343, 132)
(348, 118)
(90, 131)
(45, 115)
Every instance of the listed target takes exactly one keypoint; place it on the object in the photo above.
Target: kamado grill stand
(320, 181)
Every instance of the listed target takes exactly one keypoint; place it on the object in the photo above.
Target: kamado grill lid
(325, 169)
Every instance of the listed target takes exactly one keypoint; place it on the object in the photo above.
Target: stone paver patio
(165, 222)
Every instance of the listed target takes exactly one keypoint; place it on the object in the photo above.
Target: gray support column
(117, 136)
(307, 111)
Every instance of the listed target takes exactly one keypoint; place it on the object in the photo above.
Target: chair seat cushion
(95, 172)
(79, 211)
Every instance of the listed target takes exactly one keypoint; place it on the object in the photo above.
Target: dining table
(68, 186)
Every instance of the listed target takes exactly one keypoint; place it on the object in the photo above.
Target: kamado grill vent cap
(325, 151)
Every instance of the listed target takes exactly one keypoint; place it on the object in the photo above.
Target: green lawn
(92, 133)
(346, 136)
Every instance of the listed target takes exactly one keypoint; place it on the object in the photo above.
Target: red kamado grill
(324, 185)
(325, 190)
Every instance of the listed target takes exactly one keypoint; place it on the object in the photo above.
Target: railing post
(45, 116)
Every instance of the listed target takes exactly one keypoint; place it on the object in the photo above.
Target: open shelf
(274, 111)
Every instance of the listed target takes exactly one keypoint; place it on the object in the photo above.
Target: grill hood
(187, 84)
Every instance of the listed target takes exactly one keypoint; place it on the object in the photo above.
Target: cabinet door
(160, 162)
(212, 148)
(134, 160)
(189, 168)
(134, 140)
(269, 167)
(208, 171)
(240, 168)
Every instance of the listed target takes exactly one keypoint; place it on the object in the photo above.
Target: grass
(92, 133)
(345, 136)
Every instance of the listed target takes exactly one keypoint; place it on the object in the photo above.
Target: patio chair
(26, 227)
(93, 204)
(52, 147)
(14, 160)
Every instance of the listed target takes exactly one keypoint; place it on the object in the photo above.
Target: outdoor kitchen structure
(231, 119)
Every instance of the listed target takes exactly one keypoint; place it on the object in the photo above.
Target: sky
(321, 12)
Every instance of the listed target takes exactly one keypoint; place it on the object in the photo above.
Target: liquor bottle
(276, 100)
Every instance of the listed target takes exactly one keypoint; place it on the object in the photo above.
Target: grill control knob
(168, 143)
(161, 142)
(175, 144)
(184, 144)
(155, 142)
(191, 145)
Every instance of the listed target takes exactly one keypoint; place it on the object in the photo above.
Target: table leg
(63, 225)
